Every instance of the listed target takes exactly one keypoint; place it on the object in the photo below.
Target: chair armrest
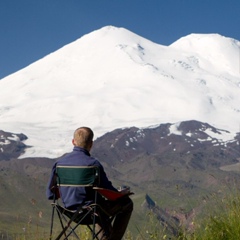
(111, 195)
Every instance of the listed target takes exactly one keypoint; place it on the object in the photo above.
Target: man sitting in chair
(72, 198)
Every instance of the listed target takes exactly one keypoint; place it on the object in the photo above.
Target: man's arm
(51, 183)
(104, 181)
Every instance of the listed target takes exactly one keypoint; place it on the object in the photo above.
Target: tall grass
(220, 220)
(152, 229)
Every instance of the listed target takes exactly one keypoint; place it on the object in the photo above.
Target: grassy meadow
(207, 203)
(219, 220)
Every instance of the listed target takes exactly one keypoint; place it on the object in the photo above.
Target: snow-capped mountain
(112, 78)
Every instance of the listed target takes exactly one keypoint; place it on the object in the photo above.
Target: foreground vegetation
(218, 220)
(222, 221)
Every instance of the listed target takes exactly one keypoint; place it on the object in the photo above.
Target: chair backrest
(77, 176)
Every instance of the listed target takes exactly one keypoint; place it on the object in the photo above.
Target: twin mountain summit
(163, 116)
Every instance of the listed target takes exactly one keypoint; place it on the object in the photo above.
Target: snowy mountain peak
(220, 51)
(113, 78)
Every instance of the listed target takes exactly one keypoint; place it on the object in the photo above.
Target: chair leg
(64, 229)
(95, 235)
(52, 218)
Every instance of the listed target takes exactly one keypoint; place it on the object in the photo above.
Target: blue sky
(31, 29)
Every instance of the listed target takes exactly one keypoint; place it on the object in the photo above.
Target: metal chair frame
(72, 176)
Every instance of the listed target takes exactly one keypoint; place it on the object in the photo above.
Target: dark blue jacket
(72, 197)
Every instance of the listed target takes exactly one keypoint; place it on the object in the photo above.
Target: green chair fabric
(77, 176)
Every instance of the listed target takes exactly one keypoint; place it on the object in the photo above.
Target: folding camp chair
(89, 215)
(72, 176)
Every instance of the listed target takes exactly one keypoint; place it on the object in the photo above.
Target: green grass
(219, 221)
(23, 198)
(222, 222)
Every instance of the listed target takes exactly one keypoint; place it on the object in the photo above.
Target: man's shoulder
(78, 159)
(95, 161)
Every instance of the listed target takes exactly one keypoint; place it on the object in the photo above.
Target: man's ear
(90, 145)
(73, 142)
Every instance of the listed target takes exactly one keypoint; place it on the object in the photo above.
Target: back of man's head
(83, 137)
